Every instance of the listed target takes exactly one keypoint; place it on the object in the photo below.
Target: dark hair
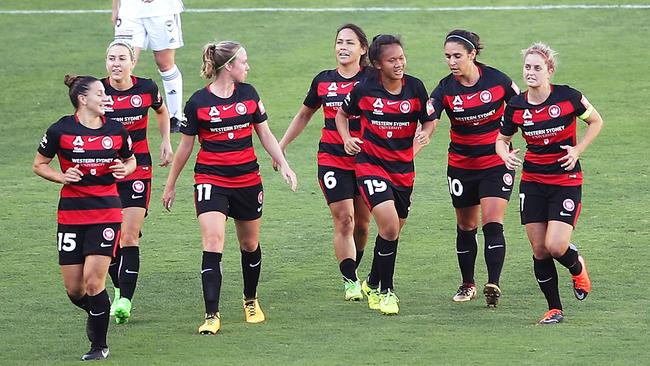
(469, 40)
(379, 41)
(363, 40)
(78, 86)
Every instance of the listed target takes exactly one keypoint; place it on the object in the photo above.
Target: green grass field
(602, 52)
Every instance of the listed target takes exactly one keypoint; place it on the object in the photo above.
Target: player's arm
(423, 135)
(183, 152)
(594, 125)
(166, 151)
(350, 144)
(115, 11)
(42, 168)
(271, 145)
(502, 148)
(297, 125)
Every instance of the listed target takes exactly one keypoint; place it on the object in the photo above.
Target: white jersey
(135, 9)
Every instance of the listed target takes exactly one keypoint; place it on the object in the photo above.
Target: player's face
(239, 67)
(119, 63)
(392, 62)
(536, 71)
(348, 49)
(460, 61)
(96, 99)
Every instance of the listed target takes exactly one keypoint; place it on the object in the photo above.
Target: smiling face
(392, 62)
(348, 49)
(536, 71)
(119, 63)
(459, 60)
(95, 100)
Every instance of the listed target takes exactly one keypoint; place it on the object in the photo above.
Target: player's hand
(168, 197)
(119, 169)
(72, 174)
(512, 160)
(166, 153)
(422, 138)
(352, 146)
(569, 160)
(289, 176)
(275, 164)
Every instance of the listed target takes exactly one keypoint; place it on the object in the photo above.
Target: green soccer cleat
(352, 290)
(115, 298)
(388, 303)
(372, 294)
(122, 310)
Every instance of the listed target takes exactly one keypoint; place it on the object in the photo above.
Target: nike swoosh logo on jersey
(206, 270)
(544, 281)
(91, 139)
(385, 254)
(256, 264)
(540, 110)
(119, 99)
(343, 86)
(134, 197)
(562, 213)
(471, 96)
(228, 107)
(102, 245)
(130, 271)
(391, 102)
(495, 246)
(98, 314)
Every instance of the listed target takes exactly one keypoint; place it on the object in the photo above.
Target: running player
(228, 183)
(390, 104)
(131, 99)
(550, 192)
(155, 24)
(93, 153)
(474, 96)
(336, 168)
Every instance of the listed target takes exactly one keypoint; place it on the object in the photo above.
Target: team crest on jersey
(546, 141)
(569, 205)
(108, 234)
(332, 89)
(430, 108)
(457, 103)
(507, 179)
(78, 145)
(554, 111)
(378, 106)
(107, 143)
(261, 108)
(136, 101)
(214, 114)
(241, 109)
(405, 106)
(389, 134)
(260, 197)
(486, 96)
(231, 135)
(138, 186)
(93, 171)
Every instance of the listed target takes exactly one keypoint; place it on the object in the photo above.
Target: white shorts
(155, 33)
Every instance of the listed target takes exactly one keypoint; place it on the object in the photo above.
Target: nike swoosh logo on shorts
(495, 246)
(385, 254)
(134, 197)
(256, 264)
(562, 213)
(259, 209)
(105, 245)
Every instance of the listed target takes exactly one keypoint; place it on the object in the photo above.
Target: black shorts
(239, 203)
(544, 202)
(135, 193)
(467, 187)
(376, 190)
(337, 184)
(75, 242)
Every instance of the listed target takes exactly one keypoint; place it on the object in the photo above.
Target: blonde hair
(216, 56)
(544, 50)
(125, 44)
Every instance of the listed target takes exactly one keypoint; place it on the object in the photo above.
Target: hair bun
(69, 79)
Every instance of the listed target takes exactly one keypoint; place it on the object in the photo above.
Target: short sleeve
(259, 115)
(126, 151)
(49, 144)
(156, 98)
(191, 125)
(351, 102)
(426, 113)
(508, 126)
(312, 100)
(436, 101)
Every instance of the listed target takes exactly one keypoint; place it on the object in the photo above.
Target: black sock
(129, 271)
(251, 266)
(466, 250)
(546, 276)
(98, 316)
(348, 269)
(570, 260)
(114, 267)
(387, 254)
(80, 302)
(359, 256)
(495, 250)
(211, 280)
(373, 276)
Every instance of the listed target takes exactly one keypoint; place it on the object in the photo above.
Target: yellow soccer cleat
(388, 303)
(211, 325)
(352, 290)
(372, 294)
(252, 311)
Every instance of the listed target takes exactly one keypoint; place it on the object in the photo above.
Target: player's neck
(89, 119)
(393, 86)
(471, 78)
(222, 88)
(123, 84)
(539, 94)
(349, 70)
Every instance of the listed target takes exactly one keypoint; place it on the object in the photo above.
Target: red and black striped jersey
(131, 108)
(94, 199)
(225, 130)
(328, 89)
(388, 124)
(475, 113)
(546, 127)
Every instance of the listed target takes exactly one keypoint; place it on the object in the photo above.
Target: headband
(230, 59)
(126, 44)
(463, 38)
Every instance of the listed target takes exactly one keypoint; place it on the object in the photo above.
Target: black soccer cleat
(96, 353)
(173, 125)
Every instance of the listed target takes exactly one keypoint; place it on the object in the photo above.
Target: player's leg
(361, 227)
(344, 247)
(213, 230)
(493, 211)
(545, 272)
(248, 234)
(95, 269)
(467, 219)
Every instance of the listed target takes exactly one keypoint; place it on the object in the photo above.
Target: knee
(556, 250)
(213, 242)
(361, 229)
(93, 285)
(390, 232)
(344, 224)
(130, 239)
(75, 292)
(540, 251)
(248, 245)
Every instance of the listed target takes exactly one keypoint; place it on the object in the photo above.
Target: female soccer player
(131, 98)
(93, 152)
(390, 104)
(474, 96)
(336, 168)
(228, 183)
(551, 182)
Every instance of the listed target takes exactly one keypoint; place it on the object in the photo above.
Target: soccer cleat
(96, 353)
(492, 294)
(211, 325)
(372, 294)
(388, 303)
(352, 290)
(122, 310)
(581, 282)
(173, 125)
(466, 292)
(115, 298)
(552, 316)
(252, 311)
